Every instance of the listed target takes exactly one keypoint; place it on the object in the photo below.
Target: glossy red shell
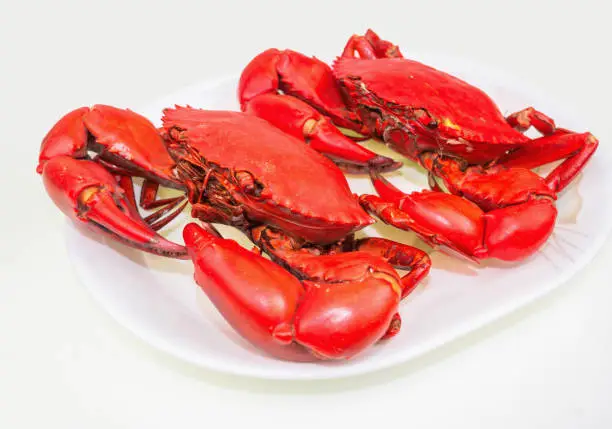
(131, 137)
(461, 110)
(295, 178)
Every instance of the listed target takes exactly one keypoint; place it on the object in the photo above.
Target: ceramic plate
(157, 299)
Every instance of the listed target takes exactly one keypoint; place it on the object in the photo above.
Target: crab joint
(248, 183)
(88, 193)
(397, 288)
(309, 127)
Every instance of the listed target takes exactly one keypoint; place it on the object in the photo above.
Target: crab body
(448, 126)
(276, 179)
(442, 112)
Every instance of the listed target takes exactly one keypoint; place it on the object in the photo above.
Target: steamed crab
(495, 207)
(325, 296)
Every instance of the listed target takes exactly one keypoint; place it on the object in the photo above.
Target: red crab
(497, 206)
(329, 296)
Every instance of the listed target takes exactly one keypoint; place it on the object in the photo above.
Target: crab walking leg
(358, 44)
(378, 254)
(576, 148)
(458, 225)
(148, 196)
(528, 117)
(164, 206)
(157, 223)
(556, 144)
(490, 188)
(370, 46)
(277, 313)
(155, 220)
(308, 108)
(125, 182)
(566, 172)
(90, 196)
(401, 257)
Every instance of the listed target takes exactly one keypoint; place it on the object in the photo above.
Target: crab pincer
(85, 186)
(312, 319)
(89, 195)
(310, 110)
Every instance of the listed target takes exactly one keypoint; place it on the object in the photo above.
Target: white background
(65, 363)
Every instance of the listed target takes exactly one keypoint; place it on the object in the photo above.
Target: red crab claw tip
(327, 139)
(382, 164)
(379, 164)
(385, 189)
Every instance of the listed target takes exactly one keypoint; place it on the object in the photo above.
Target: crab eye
(248, 183)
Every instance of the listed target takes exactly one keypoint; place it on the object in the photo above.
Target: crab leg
(370, 46)
(310, 108)
(148, 194)
(556, 144)
(401, 257)
(318, 318)
(460, 226)
(565, 173)
(306, 263)
(528, 117)
(490, 188)
(119, 137)
(576, 148)
(127, 185)
(153, 220)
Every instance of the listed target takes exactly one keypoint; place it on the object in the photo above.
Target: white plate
(157, 299)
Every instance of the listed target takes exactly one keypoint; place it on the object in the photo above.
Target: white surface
(157, 299)
(65, 363)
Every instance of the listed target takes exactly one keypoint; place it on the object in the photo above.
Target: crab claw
(302, 121)
(334, 316)
(310, 106)
(460, 227)
(121, 138)
(88, 194)
(256, 297)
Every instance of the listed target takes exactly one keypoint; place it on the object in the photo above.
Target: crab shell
(302, 192)
(455, 117)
